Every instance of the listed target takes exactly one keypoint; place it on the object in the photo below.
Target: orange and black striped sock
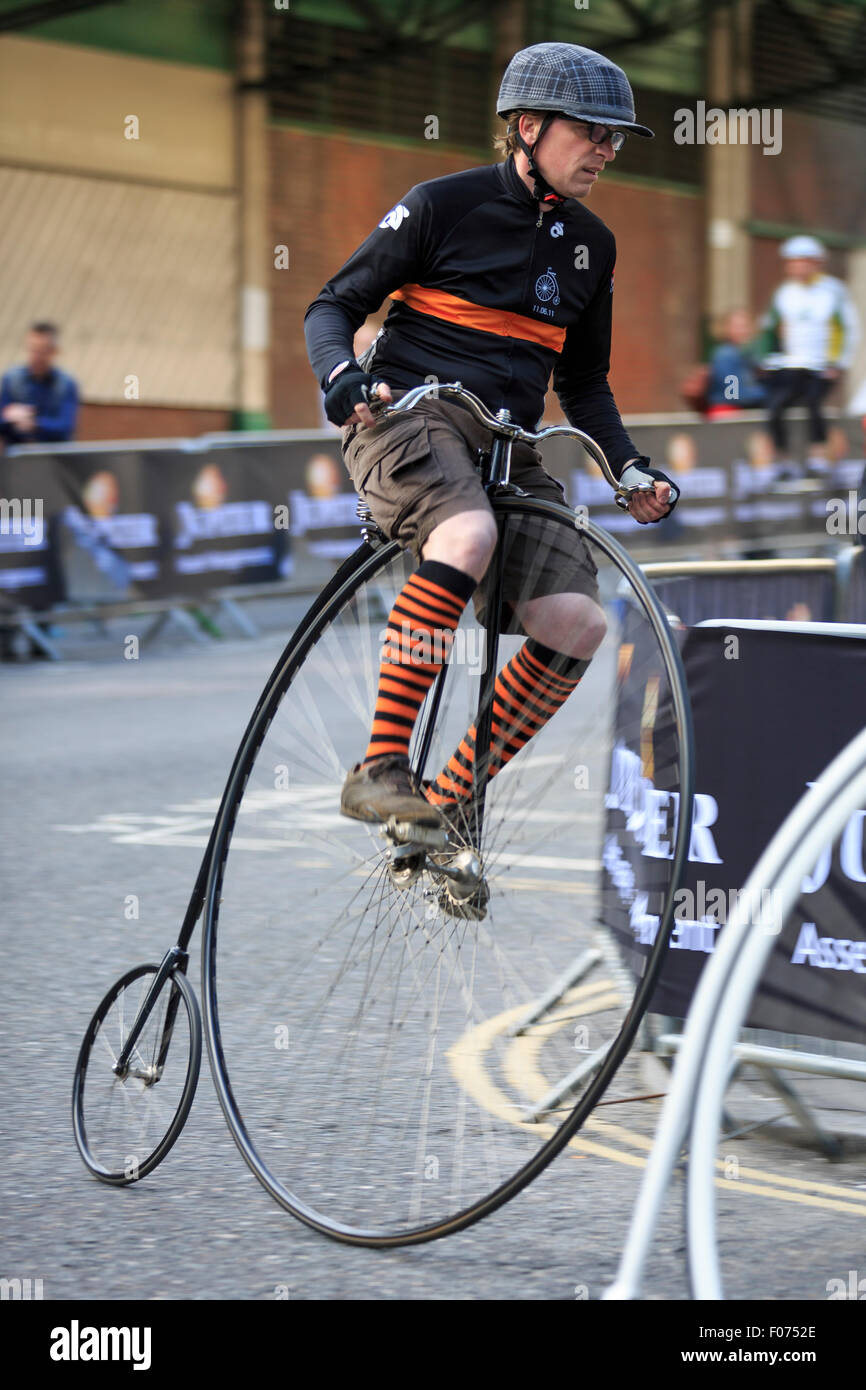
(419, 636)
(529, 689)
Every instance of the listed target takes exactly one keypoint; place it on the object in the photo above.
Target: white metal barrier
(692, 1110)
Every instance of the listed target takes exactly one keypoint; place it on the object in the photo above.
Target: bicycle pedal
(407, 832)
(462, 873)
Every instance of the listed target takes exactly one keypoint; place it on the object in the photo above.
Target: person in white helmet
(812, 330)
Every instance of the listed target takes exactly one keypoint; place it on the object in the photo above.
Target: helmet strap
(543, 191)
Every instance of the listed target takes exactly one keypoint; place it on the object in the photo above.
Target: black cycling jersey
(487, 290)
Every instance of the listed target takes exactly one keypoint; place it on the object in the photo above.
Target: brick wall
(816, 179)
(328, 192)
(658, 291)
(815, 183)
(148, 422)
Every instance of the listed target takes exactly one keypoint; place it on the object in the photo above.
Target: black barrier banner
(728, 482)
(33, 498)
(110, 535)
(158, 521)
(771, 710)
(321, 502)
(218, 516)
(84, 527)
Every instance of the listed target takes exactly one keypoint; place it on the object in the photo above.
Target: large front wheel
(362, 1030)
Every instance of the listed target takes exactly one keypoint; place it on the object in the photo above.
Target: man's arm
(56, 425)
(580, 378)
(850, 326)
(8, 429)
(393, 255)
(769, 340)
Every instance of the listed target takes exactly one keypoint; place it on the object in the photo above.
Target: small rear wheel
(126, 1121)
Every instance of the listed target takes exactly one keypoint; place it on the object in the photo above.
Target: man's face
(567, 157)
(739, 326)
(802, 267)
(41, 351)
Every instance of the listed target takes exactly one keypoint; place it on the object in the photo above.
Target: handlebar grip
(622, 495)
(374, 400)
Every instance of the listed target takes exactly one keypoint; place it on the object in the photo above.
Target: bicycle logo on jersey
(395, 217)
(547, 287)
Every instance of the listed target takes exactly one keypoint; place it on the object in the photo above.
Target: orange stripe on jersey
(450, 307)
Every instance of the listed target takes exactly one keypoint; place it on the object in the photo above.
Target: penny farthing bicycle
(366, 1029)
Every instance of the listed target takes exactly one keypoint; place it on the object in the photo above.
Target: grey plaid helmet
(577, 81)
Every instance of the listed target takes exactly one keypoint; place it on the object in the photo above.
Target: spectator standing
(38, 401)
(811, 331)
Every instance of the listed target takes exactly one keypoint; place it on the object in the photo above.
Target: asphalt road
(110, 768)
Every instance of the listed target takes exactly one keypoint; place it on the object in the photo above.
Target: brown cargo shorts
(416, 470)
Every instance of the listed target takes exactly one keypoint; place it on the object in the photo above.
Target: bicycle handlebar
(502, 425)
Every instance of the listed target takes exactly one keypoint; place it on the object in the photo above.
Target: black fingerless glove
(345, 392)
(643, 465)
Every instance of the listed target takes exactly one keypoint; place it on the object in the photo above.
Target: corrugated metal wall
(142, 280)
(129, 244)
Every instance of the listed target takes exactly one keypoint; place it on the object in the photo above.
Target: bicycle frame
(496, 470)
(375, 552)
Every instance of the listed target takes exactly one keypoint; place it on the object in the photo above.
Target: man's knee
(466, 541)
(570, 623)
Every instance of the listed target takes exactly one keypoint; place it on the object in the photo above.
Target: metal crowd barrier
(818, 590)
(708, 593)
(730, 506)
(833, 589)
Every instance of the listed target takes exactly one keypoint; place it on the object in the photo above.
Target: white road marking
(313, 809)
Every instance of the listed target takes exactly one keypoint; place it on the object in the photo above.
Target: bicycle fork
(174, 959)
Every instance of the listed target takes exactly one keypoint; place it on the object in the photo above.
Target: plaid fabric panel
(550, 72)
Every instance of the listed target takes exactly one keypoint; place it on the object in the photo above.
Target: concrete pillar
(253, 403)
(728, 167)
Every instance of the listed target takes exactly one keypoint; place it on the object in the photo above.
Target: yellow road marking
(466, 1059)
(522, 1070)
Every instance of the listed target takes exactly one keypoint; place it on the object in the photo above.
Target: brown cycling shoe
(386, 788)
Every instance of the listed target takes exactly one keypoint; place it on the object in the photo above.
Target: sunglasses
(599, 134)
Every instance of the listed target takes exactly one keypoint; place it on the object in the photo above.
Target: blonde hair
(506, 142)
